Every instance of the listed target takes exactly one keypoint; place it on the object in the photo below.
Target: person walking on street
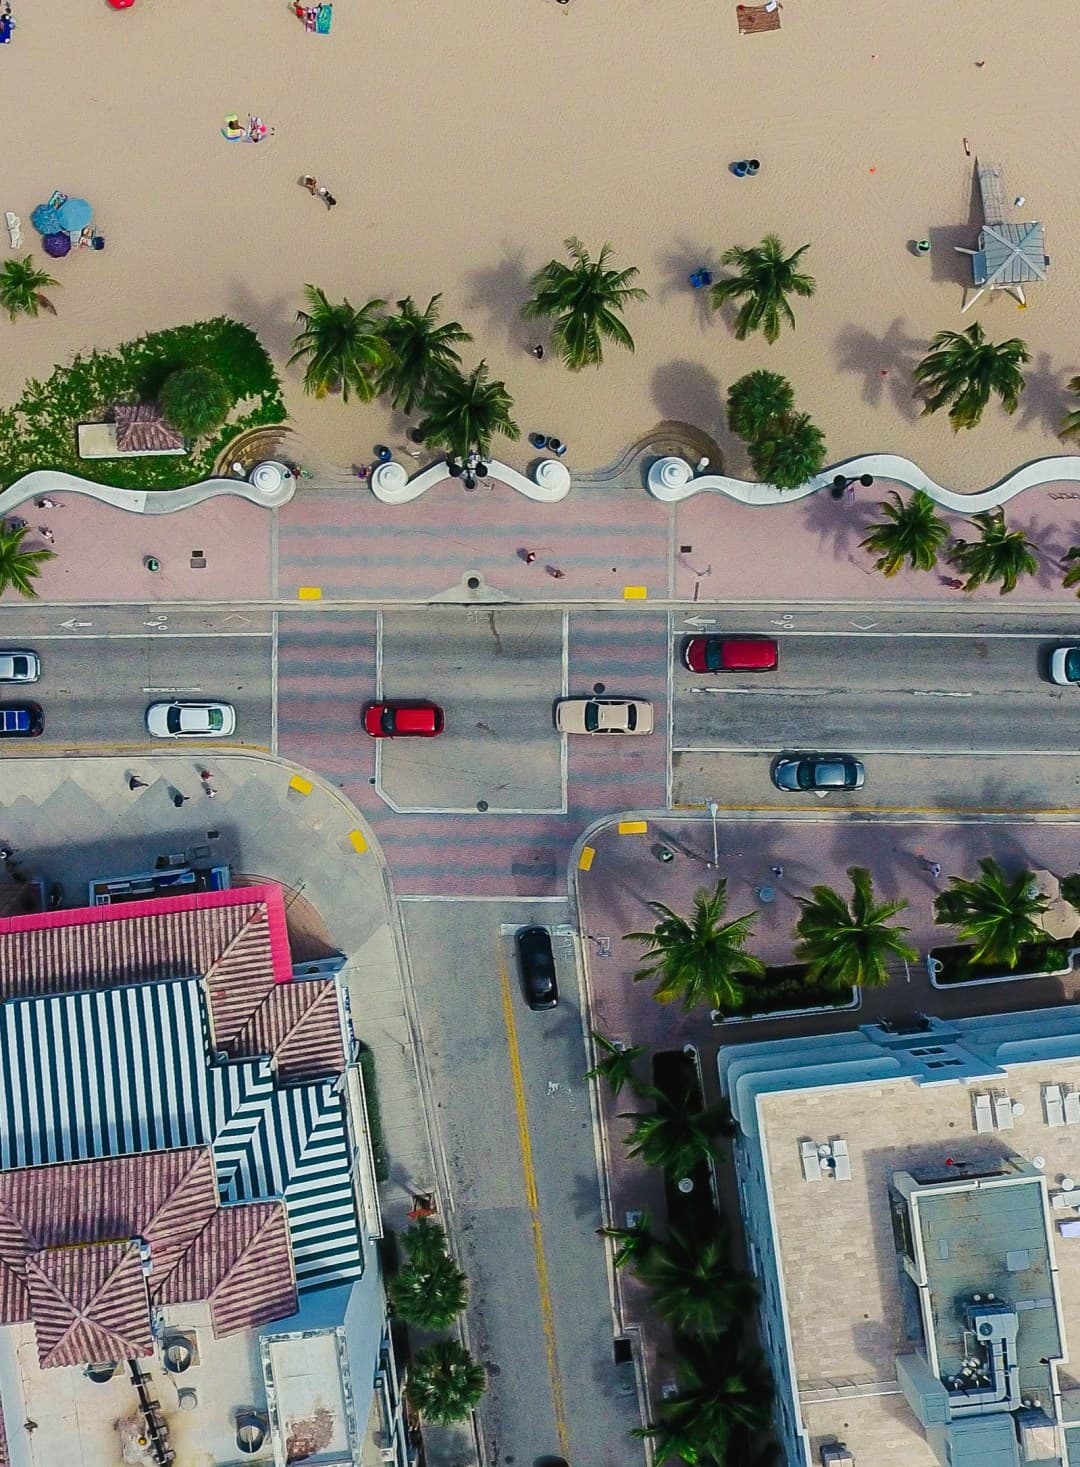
(135, 783)
(178, 799)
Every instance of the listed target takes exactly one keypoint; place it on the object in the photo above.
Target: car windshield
(20, 666)
(386, 721)
(805, 776)
(592, 717)
(1072, 664)
(713, 654)
(631, 718)
(172, 720)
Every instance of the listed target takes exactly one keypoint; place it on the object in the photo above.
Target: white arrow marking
(73, 625)
(700, 621)
(862, 626)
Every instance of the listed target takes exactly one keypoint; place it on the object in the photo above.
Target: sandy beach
(464, 142)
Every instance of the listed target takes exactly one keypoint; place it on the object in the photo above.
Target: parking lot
(496, 675)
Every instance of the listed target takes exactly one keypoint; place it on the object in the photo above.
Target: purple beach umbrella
(56, 245)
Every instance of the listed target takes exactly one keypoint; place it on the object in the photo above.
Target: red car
(731, 654)
(410, 720)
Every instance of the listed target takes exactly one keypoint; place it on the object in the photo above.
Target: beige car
(604, 716)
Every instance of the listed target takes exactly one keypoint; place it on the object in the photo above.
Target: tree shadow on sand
(687, 392)
(1045, 400)
(272, 319)
(676, 267)
(501, 290)
(884, 363)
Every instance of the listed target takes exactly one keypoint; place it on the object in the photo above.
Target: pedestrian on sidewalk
(178, 799)
(46, 534)
(554, 572)
(528, 556)
(135, 783)
(777, 871)
(45, 503)
(210, 791)
(538, 351)
(205, 775)
(6, 852)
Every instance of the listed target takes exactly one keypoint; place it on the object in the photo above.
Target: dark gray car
(536, 962)
(797, 772)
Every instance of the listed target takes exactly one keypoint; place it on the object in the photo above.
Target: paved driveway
(496, 675)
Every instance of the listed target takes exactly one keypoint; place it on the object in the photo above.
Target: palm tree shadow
(1051, 541)
(502, 290)
(885, 364)
(843, 523)
(688, 392)
(1044, 399)
(272, 319)
(677, 266)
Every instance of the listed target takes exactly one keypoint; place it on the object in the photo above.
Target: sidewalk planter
(951, 967)
(785, 994)
(694, 1214)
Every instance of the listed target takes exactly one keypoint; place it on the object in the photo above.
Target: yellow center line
(547, 1314)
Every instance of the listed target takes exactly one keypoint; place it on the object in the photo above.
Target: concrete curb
(142, 501)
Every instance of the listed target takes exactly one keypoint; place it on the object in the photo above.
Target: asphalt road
(516, 1125)
(862, 693)
(95, 689)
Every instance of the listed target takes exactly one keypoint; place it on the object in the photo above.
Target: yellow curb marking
(635, 593)
(301, 785)
(633, 827)
(587, 857)
(357, 841)
(547, 1314)
(309, 593)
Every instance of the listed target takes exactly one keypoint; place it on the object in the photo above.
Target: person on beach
(538, 351)
(327, 197)
(311, 184)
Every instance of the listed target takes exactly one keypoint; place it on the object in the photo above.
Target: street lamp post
(714, 810)
(845, 483)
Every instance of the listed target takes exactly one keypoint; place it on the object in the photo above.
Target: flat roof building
(912, 1203)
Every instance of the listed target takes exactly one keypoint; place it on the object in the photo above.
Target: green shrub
(195, 400)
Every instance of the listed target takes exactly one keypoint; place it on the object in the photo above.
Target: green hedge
(371, 1092)
(39, 432)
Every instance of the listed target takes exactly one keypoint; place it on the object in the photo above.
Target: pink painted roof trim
(244, 896)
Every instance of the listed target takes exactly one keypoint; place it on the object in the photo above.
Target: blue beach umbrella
(46, 220)
(74, 214)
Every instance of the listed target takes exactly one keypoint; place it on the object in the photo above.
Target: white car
(18, 666)
(190, 720)
(1065, 666)
(604, 716)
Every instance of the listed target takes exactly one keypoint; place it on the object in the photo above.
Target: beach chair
(1072, 1108)
(842, 1170)
(14, 226)
(984, 1114)
(1055, 1114)
(1003, 1113)
(811, 1164)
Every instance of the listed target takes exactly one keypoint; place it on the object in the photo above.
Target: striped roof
(236, 941)
(89, 1304)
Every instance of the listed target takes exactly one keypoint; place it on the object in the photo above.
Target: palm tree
(848, 944)
(700, 960)
(995, 914)
(585, 301)
(724, 1391)
(755, 401)
(422, 352)
(445, 1382)
(964, 369)
(636, 1241)
(1070, 423)
(693, 1285)
(195, 400)
(424, 1242)
(1000, 555)
(21, 285)
(677, 1135)
(20, 568)
(465, 413)
(789, 452)
(765, 280)
(912, 533)
(429, 1293)
(1071, 559)
(616, 1065)
(344, 346)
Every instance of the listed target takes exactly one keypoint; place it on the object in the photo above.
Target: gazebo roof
(1010, 254)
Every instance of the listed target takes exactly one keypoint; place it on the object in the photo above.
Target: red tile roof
(142, 426)
(237, 1257)
(235, 940)
(89, 1304)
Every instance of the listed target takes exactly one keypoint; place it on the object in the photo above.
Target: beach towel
(756, 18)
(323, 19)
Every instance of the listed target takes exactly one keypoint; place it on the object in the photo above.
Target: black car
(21, 720)
(536, 962)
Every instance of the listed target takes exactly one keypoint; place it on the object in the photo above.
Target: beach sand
(465, 141)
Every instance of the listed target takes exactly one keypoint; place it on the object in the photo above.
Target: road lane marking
(547, 1314)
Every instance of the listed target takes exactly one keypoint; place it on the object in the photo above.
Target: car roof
(409, 720)
(748, 652)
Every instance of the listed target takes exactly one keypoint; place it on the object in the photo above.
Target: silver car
(604, 716)
(17, 666)
(1065, 666)
(824, 772)
(190, 720)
